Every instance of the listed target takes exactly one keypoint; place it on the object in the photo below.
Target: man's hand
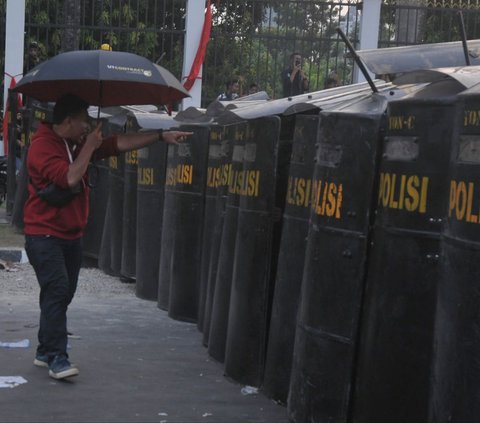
(175, 137)
(94, 138)
(79, 166)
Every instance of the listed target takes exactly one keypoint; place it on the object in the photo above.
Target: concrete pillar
(369, 31)
(194, 19)
(14, 46)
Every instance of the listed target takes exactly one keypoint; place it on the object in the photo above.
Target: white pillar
(194, 19)
(369, 30)
(14, 46)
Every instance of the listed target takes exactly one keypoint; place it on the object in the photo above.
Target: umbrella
(102, 78)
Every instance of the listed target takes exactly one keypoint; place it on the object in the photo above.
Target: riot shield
(395, 357)
(129, 221)
(291, 258)
(221, 263)
(251, 277)
(187, 179)
(222, 182)
(216, 158)
(110, 255)
(98, 174)
(455, 381)
(152, 162)
(340, 200)
(34, 113)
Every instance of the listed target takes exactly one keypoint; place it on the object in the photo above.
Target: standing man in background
(294, 80)
(32, 57)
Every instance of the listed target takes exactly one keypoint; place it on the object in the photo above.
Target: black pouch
(57, 196)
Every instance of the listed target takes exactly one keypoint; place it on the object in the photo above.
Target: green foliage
(104, 18)
(238, 17)
(439, 22)
(253, 42)
(443, 25)
(247, 60)
(125, 25)
(310, 18)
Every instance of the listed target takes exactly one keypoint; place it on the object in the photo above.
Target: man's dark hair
(68, 105)
(295, 53)
(230, 83)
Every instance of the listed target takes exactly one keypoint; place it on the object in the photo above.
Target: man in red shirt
(60, 154)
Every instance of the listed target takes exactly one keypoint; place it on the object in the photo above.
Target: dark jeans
(56, 263)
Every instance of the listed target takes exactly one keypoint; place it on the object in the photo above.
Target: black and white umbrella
(102, 78)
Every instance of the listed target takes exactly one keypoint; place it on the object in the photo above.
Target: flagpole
(195, 16)
(14, 46)
(369, 30)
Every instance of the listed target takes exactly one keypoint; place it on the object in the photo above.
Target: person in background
(231, 91)
(32, 58)
(332, 80)
(57, 163)
(294, 79)
(253, 88)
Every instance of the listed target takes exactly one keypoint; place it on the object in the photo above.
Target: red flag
(202, 49)
(6, 116)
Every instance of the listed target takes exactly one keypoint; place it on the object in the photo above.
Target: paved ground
(136, 364)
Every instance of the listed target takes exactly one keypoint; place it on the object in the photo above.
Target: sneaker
(41, 360)
(61, 368)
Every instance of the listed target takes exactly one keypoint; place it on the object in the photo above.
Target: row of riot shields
(324, 245)
(369, 313)
(401, 334)
(278, 299)
(387, 318)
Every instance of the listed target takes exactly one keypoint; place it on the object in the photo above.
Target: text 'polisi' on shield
(400, 192)
(461, 202)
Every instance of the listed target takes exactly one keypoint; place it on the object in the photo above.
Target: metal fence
(407, 22)
(260, 52)
(251, 40)
(152, 28)
(257, 46)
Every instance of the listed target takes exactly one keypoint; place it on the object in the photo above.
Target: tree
(255, 41)
(433, 21)
(140, 26)
(71, 17)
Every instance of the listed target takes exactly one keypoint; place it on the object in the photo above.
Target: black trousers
(57, 264)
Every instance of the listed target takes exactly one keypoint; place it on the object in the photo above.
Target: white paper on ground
(249, 390)
(24, 343)
(11, 381)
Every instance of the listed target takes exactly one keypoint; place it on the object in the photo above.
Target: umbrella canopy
(102, 78)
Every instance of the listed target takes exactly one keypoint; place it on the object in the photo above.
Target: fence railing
(250, 40)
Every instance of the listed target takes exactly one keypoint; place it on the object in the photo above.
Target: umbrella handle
(93, 173)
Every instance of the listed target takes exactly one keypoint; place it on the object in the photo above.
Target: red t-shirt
(48, 162)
